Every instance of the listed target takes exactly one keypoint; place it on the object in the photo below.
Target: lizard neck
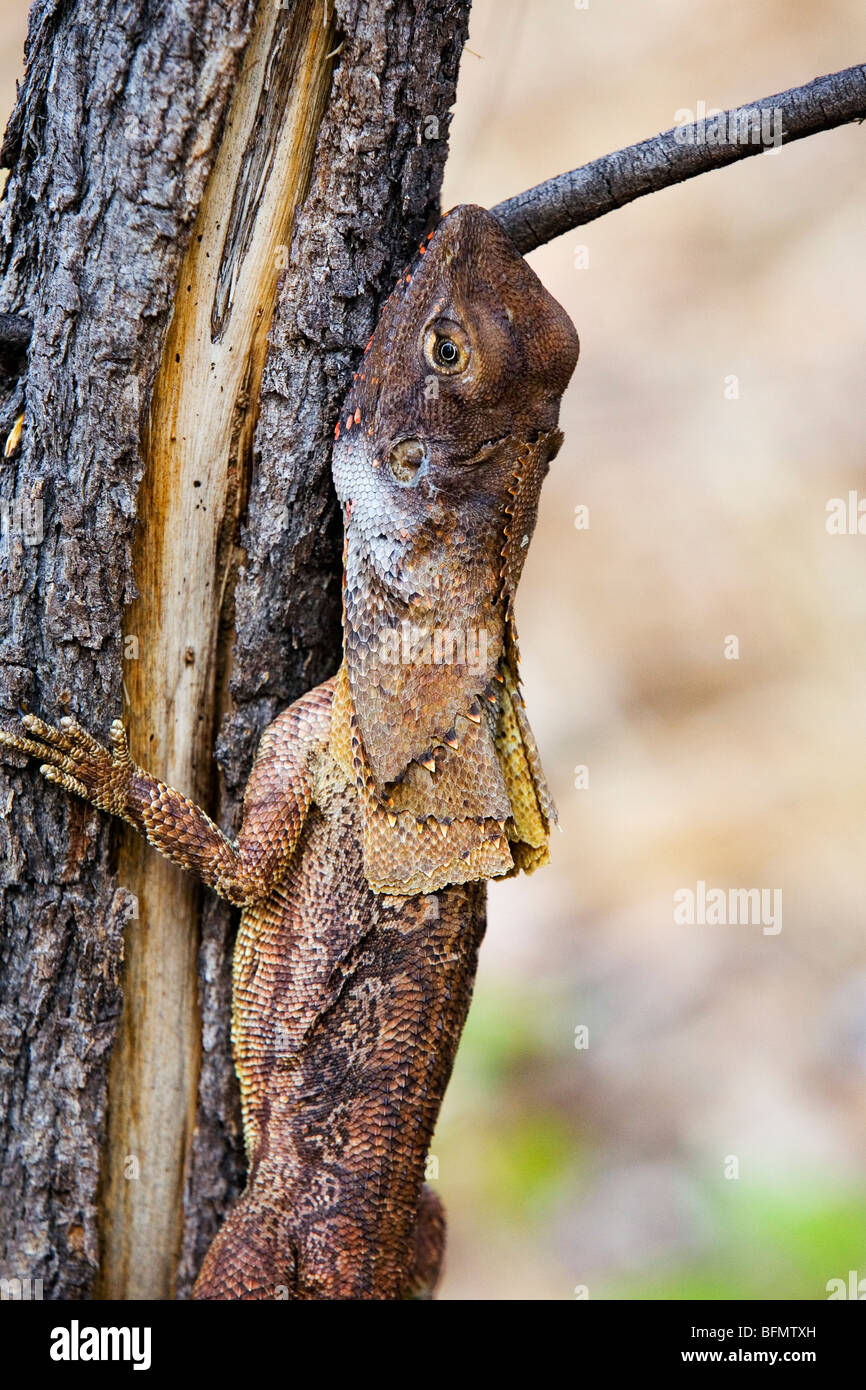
(428, 720)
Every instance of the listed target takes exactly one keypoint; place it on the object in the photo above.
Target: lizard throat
(429, 719)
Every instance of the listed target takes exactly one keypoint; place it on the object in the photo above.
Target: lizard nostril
(405, 460)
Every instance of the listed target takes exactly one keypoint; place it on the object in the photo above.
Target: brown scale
(403, 851)
(405, 707)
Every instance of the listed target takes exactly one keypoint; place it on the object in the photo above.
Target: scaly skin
(379, 801)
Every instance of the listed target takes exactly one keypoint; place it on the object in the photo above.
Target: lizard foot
(75, 760)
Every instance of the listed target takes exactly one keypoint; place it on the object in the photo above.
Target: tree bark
(155, 147)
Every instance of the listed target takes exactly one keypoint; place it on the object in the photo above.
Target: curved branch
(571, 200)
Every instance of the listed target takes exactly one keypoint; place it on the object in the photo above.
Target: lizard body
(380, 800)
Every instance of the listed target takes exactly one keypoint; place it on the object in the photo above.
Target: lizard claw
(73, 759)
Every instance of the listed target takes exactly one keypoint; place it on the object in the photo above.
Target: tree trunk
(170, 543)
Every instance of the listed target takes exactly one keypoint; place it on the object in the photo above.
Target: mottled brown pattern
(381, 799)
(345, 1030)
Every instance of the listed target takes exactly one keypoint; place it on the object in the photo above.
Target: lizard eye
(446, 348)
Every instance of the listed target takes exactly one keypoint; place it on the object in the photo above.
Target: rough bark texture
(110, 146)
(375, 186)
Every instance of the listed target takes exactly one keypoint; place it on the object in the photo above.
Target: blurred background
(605, 1166)
(710, 1140)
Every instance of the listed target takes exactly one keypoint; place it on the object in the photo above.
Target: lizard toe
(63, 779)
(17, 743)
(81, 737)
(55, 738)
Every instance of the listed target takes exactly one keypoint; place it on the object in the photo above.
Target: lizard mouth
(484, 452)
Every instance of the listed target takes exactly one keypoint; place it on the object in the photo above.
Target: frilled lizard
(380, 800)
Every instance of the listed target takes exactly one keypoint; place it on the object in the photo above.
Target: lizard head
(470, 349)
(441, 449)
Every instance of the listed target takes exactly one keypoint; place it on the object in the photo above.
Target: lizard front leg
(275, 805)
